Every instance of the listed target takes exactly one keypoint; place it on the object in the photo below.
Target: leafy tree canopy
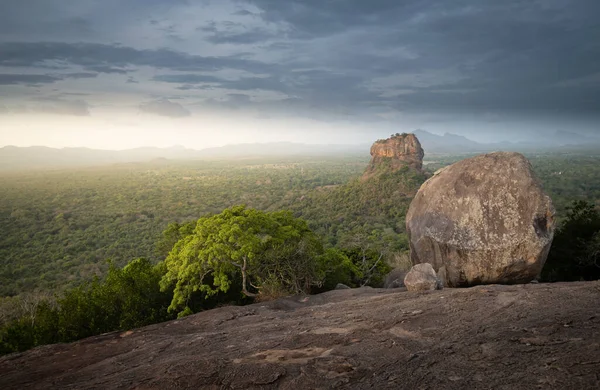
(262, 247)
(575, 252)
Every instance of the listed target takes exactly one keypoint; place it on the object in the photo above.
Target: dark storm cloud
(95, 56)
(320, 18)
(106, 69)
(349, 58)
(502, 55)
(235, 33)
(164, 107)
(241, 38)
(314, 18)
(243, 12)
(36, 79)
(187, 78)
(197, 81)
(13, 79)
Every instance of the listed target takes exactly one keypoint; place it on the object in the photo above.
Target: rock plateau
(533, 336)
(395, 153)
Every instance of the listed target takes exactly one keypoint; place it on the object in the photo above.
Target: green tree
(134, 292)
(368, 252)
(171, 235)
(291, 256)
(575, 250)
(260, 247)
(128, 297)
(336, 267)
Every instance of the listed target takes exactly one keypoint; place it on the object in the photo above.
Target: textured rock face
(348, 339)
(482, 220)
(398, 151)
(422, 277)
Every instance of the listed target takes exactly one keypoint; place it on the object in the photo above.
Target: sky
(117, 74)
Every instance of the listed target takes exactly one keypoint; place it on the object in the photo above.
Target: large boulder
(482, 220)
(422, 277)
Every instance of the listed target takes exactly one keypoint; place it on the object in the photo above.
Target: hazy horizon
(113, 75)
(595, 137)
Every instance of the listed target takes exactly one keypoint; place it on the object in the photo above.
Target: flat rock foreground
(502, 337)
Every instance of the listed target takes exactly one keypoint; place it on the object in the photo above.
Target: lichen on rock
(483, 220)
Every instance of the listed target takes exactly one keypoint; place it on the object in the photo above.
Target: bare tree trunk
(245, 279)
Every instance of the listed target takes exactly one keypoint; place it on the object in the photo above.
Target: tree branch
(235, 264)
(371, 270)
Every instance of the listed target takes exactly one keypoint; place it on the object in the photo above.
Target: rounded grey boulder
(482, 220)
(422, 277)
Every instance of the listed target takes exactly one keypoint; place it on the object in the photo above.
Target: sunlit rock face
(482, 220)
(394, 153)
(422, 277)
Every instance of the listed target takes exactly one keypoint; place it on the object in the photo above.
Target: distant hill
(452, 143)
(42, 157)
(567, 138)
(447, 143)
(279, 149)
(36, 157)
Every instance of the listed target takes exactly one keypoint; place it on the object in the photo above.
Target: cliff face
(398, 151)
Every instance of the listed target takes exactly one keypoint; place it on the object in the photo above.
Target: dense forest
(60, 227)
(88, 251)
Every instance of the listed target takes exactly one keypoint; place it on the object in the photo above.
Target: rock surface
(398, 151)
(530, 336)
(422, 277)
(482, 220)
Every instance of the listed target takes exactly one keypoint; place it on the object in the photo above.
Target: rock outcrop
(490, 337)
(422, 277)
(482, 220)
(394, 153)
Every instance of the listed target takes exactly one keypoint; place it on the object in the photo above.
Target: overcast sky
(117, 74)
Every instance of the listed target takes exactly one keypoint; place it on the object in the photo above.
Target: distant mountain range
(19, 158)
(34, 157)
(452, 143)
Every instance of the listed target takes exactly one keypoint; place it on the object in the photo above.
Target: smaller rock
(341, 286)
(422, 277)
